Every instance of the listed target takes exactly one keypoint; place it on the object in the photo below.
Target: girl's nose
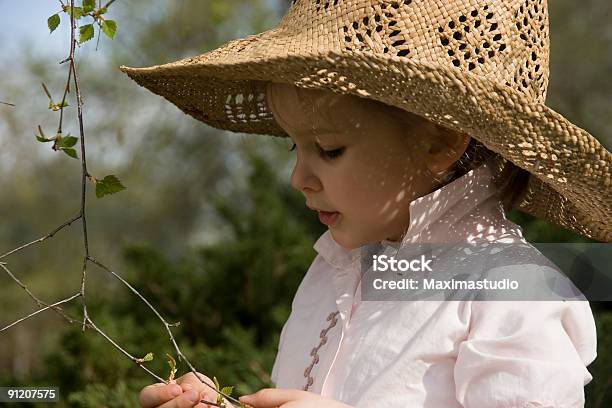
(303, 179)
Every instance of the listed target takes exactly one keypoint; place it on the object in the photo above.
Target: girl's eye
(332, 154)
(327, 154)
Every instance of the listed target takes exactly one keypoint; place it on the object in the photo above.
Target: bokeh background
(208, 228)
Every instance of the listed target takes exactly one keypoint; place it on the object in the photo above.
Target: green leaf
(218, 387)
(67, 141)
(171, 360)
(110, 185)
(78, 11)
(103, 10)
(227, 390)
(148, 357)
(109, 27)
(88, 6)
(53, 22)
(70, 152)
(43, 140)
(86, 33)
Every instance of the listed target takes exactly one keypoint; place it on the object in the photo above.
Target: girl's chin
(351, 240)
(341, 239)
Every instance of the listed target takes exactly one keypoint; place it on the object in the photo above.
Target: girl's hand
(185, 392)
(289, 398)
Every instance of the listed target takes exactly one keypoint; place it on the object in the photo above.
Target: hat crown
(503, 40)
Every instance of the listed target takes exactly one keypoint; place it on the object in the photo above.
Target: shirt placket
(331, 337)
(332, 318)
(345, 297)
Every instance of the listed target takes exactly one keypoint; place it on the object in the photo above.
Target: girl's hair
(510, 179)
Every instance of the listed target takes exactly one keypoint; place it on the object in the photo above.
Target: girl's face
(358, 160)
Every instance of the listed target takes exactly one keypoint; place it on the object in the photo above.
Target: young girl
(414, 122)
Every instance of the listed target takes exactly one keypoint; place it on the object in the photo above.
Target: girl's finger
(274, 397)
(190, 380)
(187, 399)
(156, 394)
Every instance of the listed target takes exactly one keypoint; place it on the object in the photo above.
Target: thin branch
(7, 103)
(40, 310)
(63, 103)
(131, 357)
(90, 324)
(109, 3)
(98, 40)
(46, 91)
(164, 322)
(83, 157)
(158, 290)
(39, 302)
(49, 235)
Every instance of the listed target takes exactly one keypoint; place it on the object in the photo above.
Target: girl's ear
(444, 149)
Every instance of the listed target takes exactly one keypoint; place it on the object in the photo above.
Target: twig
(107, 5)
(49, 235)
(83, 157)
(39, 302)
(40, 310)
(180, 354)
(7, 103)
(118, 347)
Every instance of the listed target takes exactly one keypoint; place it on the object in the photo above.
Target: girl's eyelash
(329, 154)
(332, 154)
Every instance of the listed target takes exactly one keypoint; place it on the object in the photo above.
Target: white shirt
(441, 354)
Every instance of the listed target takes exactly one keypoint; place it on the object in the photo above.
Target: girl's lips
(328, 218)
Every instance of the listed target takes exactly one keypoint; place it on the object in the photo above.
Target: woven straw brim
(572, 182)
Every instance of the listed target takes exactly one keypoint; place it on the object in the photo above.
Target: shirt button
(307, 371)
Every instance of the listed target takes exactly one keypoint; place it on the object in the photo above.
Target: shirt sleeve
(526, 354)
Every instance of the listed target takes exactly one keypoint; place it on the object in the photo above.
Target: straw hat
(479, 67)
